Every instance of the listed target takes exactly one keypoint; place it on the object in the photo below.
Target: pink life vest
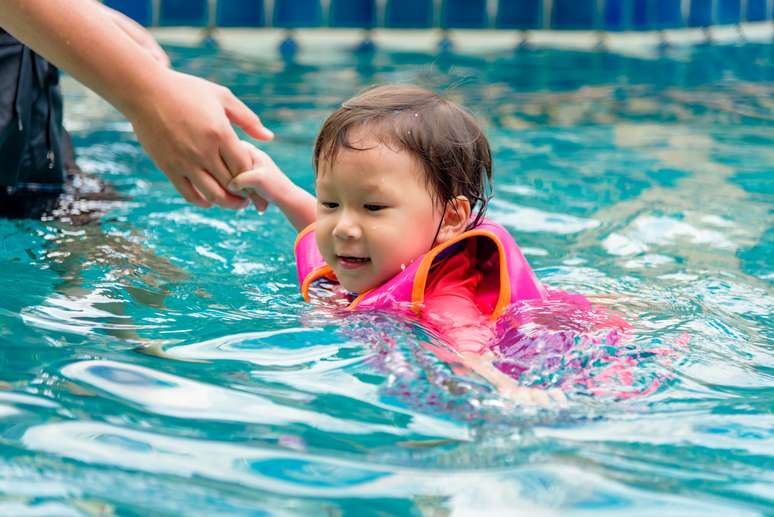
(506, 279)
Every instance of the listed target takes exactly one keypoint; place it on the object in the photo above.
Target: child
(402, 177)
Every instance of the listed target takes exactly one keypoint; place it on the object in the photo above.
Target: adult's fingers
(220, 175)
(239, 114)
(187, 190)
(234, 154)
(255, 154)
(214, 193)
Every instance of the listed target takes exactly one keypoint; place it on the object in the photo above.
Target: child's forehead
(368, 171)
(370, 159)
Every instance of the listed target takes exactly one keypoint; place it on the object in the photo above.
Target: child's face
(374, 214)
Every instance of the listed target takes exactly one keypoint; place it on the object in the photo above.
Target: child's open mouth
(352, 262)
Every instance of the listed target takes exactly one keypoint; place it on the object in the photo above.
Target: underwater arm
(483, 365)
(461, 325)
(272, 186)
(182, 121)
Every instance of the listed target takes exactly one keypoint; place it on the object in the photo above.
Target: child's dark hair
(444, 137)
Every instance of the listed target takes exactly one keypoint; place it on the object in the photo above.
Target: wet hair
(441, 135)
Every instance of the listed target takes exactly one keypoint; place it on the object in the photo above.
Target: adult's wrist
(139, 97)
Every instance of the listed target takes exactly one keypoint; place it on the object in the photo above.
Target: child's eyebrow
(369, 186)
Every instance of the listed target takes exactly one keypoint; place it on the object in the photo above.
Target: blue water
(161, 361)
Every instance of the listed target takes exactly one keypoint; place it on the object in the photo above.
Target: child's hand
(264, 183)
(525, 396)
(483, 364)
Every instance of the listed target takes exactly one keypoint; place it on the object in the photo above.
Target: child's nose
(347, 228)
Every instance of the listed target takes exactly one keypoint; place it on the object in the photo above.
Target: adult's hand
(185, 126)
(183, 122)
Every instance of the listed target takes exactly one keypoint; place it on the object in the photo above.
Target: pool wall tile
(617, 15)
(353, 13)
(138, 10)
(297, 13)
(641, 16)
(729, 12)
(186, 13)
(573, 14)
(240, 13)
(611, 15)
(409, 14)
(526, 14)
(756, 11)
(464, 14)
(668, 15)
(700, 14)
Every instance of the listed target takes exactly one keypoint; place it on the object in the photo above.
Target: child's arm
(462, 326)
(272, 186)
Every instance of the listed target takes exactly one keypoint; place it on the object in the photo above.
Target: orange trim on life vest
(316, 274)
(359, 299)
(301, 235)
(423, 271)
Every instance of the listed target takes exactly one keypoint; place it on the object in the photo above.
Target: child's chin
(356, 286)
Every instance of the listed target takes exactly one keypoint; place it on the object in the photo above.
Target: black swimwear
(32, 138)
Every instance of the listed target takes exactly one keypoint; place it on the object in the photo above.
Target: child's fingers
(540, 397)
(248, 183)
(248, 180)
(260, 204)
(558, 397)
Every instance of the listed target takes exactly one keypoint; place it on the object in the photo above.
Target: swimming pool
(162, 362)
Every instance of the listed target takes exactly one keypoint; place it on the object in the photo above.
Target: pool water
(161, 361)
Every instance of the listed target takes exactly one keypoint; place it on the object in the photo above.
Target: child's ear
(455, 219)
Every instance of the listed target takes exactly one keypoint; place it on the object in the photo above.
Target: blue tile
(617, 15)
(700, 14)
(240, 13)
(137, 10)
(573, 14)
(183, 12)
(409, 14)
(756, 10)
(464, 14)
(642, 18)
(622, 15)
(729, 12)
(297, 13)
(353, 13)
(519, 14)
(668, 15)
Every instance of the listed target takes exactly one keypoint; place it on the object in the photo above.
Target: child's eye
(374, 208)
(329, 204)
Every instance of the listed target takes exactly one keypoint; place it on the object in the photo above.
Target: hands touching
(265, 183)
(191, 139)
(185, 127)
(183, 122)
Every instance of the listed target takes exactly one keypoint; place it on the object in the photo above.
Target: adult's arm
(139, 34)
(182, 121)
